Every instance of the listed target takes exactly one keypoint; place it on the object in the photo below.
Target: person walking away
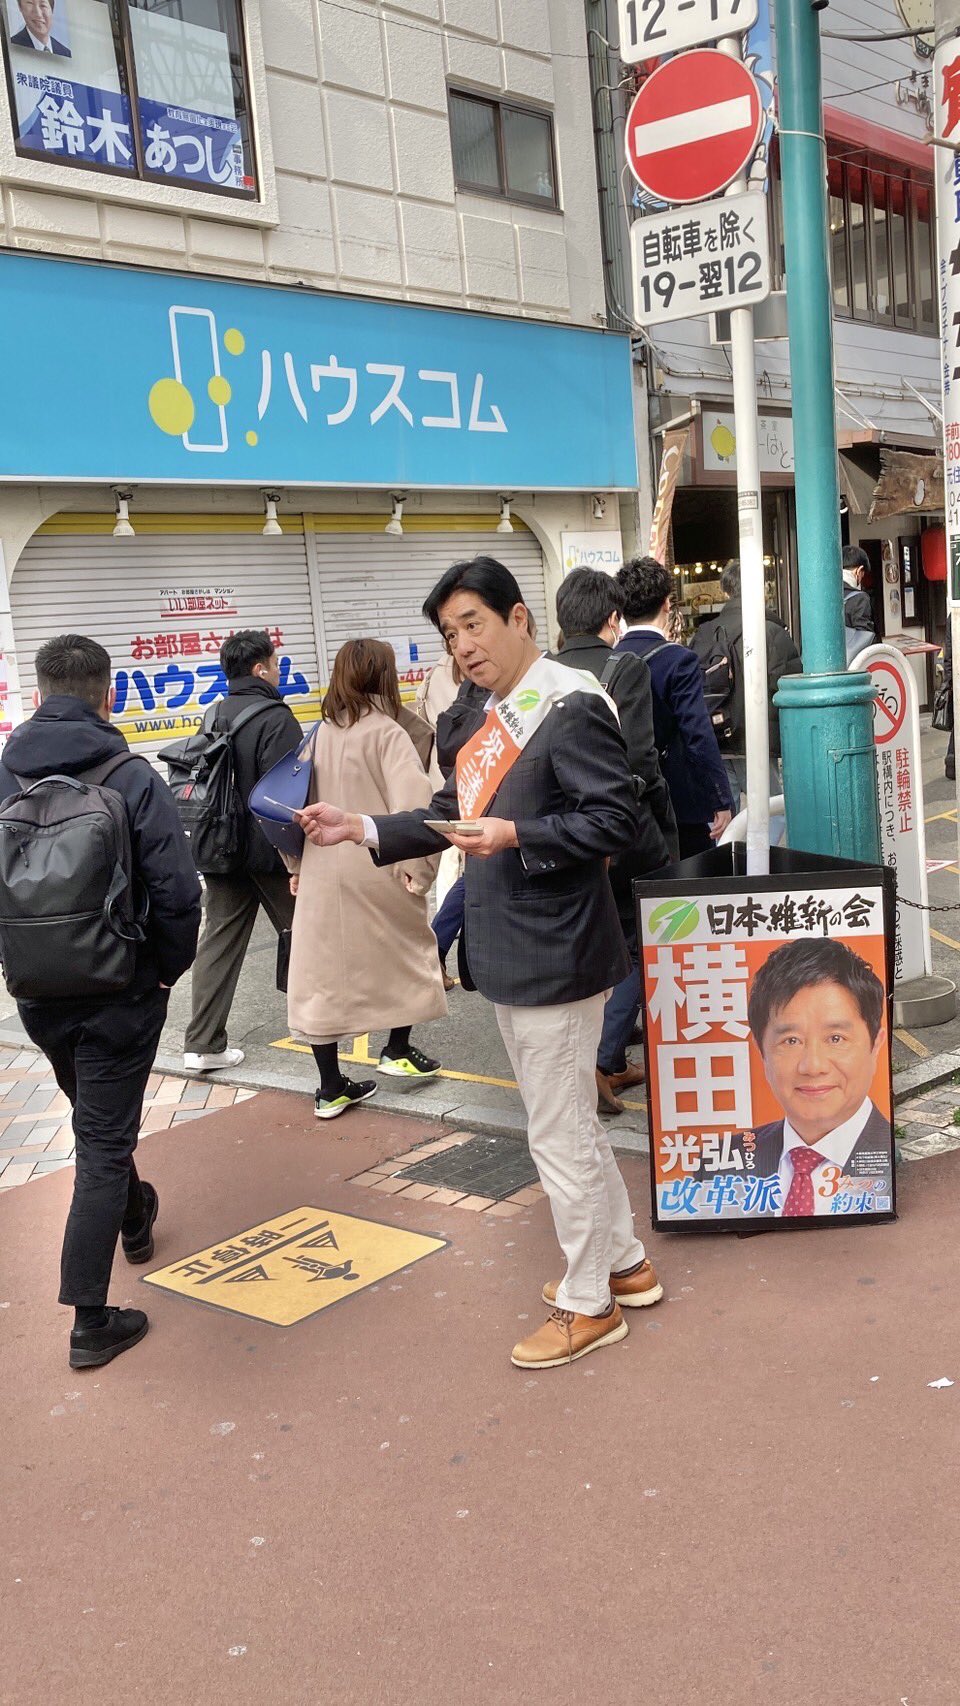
(689, 754)
(252, 669)
(858, 624)
(436, 693)
(363, 953)
(101, 1045)
(588, 611)
(718, 643)
(547, 786)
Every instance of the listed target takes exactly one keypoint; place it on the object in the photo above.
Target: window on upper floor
(881, 241)
(502, 149)
(153, 89)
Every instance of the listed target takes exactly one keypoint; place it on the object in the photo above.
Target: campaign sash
(486, 760)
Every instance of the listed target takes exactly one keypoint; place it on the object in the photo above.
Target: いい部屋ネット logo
(528, 700)
(673, 920)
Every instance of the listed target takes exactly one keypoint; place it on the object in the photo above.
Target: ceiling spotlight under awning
(271, 527)
(395, 525)
(504, 525)
(123, 527)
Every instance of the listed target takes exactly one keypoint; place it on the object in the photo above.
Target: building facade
(877, 114)
(302, 300)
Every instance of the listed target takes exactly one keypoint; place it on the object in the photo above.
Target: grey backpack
(69, 919)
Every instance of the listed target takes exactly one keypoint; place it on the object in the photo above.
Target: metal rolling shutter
(91, 583)
(372, 584)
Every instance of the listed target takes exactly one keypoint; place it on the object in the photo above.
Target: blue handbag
(282, 791)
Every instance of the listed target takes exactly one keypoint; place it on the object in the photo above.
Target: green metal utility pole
(826, 714)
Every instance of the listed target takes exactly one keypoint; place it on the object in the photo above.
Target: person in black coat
(588, 611)
(724, 634)
(857, 606)
(102, 1047)
(249, 662)
(689, 754)
(547, 787)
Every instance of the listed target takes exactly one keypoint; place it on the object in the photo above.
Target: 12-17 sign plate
(696, 260)
(649, 28)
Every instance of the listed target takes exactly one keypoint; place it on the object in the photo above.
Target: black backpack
(716, 658)
(69, 921)
(203, 784)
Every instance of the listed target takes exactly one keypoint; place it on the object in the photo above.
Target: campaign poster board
(768, 1011)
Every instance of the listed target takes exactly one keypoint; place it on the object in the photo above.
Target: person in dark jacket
(588, 611)
(689, 754)
(102, 1047)
(252, 669)
(454, 725)
(857, 608)
(724, 633)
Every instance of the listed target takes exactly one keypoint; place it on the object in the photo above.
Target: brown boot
(607, 1102)
(567, 1336)
(634, 1290)
(635, 1074)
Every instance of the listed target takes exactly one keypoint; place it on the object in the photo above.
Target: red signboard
(694, 126)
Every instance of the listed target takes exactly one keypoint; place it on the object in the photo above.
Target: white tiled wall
(356, 164)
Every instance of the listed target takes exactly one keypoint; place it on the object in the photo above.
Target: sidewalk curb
(475, 1116)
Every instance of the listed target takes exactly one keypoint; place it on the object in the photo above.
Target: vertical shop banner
(946, 165)
(671, 462)
(768, 1009)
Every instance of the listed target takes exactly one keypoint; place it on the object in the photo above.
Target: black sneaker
(330, 1109)
(412, 1065)
(138, 1246)
(91, 1347)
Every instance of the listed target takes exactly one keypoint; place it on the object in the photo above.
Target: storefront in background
(305, 463)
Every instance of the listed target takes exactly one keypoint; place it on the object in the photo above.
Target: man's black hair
(854, 558)
(586, 600)
(240, 652)
(493, 584)
(798, 965)
(644, 586)
(730, 579)
(76, 666)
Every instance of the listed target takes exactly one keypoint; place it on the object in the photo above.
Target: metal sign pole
(947, 128)
(752, 590)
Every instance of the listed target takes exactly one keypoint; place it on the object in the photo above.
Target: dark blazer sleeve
(165, 865)
(632, 692)
(590, 764)
(695, 730)
(858, 611)
(404, 835)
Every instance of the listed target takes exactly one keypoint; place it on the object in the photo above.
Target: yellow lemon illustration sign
(723, 441)
(289, 1268)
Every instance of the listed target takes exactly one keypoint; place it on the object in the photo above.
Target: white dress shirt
(39, 46)
(836, 1148)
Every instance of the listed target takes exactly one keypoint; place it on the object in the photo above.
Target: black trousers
(101, 1054)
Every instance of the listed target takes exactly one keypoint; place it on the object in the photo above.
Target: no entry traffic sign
(693, 126)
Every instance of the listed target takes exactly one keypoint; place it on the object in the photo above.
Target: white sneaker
(212, 1062)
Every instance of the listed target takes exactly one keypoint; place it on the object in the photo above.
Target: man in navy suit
(689, 755)
(38, 19)
(546, 786)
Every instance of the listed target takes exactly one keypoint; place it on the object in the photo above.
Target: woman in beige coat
(363, 954)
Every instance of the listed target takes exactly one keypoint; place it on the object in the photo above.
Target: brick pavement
(36, 1130)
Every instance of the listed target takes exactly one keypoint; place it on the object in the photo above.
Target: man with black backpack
(718, 643)
(99, 917)
(261, 729)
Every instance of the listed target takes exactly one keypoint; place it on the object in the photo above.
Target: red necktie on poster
(800, 1195)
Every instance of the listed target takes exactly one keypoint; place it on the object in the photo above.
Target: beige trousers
(553, 1052)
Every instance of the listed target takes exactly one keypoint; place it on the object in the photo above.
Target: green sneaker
(412, 1065)
(350, 1094)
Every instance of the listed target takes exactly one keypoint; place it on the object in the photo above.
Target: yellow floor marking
(939, 817)
(912, 1043)
(291, 1267)
(947, 940)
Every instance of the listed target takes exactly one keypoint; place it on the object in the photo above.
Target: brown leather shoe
(567, 1336)
(607, 1102)
(636, 1290)
(635, 1074)
(448, 981)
